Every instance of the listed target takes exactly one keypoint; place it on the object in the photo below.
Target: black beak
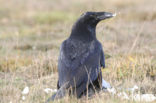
(105, 15)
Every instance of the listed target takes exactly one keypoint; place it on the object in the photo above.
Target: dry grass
(31, 32)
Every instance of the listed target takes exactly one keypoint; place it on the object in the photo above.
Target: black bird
(81, 57)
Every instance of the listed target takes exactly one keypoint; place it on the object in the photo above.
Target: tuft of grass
(39, 47)
(12, 64)
(130, 66)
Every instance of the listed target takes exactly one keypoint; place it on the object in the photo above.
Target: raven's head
(87, 22)
(92, 18)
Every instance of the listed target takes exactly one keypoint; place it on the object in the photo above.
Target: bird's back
(78, 61)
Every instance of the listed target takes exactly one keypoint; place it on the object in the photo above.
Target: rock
(135, 87)
(49, 90)
(111, 90)
(23, 97)
(25, 90)
(148, 97)
(144, 97)
(105, 84)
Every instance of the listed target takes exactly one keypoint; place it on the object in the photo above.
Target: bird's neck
(83, 33)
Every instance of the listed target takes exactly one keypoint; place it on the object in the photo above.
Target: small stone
(135, 87)
(49, 90)
(105, 84)
(148, 97)
(23, 97)
(25, 91)
(112, 90)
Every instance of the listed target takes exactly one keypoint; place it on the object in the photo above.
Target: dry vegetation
(31, 32)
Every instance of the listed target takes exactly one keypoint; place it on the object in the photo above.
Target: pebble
(23, 97)
(25, 90)
(144, 97)
(49, 90)
(111, 90)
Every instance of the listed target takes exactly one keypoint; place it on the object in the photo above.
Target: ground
(31, 32)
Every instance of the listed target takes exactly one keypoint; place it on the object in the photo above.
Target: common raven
(81, 57)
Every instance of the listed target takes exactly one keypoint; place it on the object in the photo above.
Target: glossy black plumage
(81, 57)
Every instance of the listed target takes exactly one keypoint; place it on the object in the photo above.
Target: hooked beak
(105, 15)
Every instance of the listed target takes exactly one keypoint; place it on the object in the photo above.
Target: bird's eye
(93, 16)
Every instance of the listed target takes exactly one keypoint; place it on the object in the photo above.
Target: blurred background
(31, 32)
